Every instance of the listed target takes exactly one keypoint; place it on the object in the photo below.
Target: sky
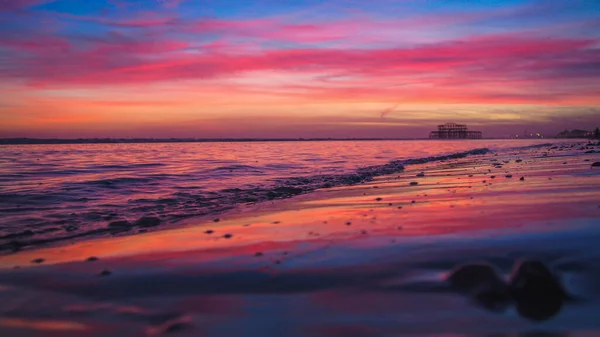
(283, 68)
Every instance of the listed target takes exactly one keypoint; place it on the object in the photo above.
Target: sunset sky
(283, 68)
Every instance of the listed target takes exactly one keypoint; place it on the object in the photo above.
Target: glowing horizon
(274, 69)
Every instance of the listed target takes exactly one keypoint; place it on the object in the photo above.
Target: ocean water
(59, 192)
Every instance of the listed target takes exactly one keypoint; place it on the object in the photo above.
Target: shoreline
(361, 258)
(286, 188)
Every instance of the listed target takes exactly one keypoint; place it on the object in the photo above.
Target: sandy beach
(370, 259)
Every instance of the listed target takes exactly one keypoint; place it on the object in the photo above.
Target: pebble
(483, 283)
(39, 260)
(596, 164)
(378, 199)
(210, 231)
(522, 179)
(536, 289)
(414, 183)
(105, 272)
(216, 220)
(422, 174)
(92, 258)
(509, 176)
(228, 236)
(259, 254)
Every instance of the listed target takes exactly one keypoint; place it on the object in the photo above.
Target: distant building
(454, 131)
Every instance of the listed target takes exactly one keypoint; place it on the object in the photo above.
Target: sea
(60, 192)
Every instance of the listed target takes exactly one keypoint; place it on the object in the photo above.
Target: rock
(148, 222)
(92, 259)
(378, 199)
(209, 231)
(509, 176)
(483, 283)
(105, 272)
(422, 174)
(414, 183)
(467, 277)
(518, 160)
(522, 179)
(259, 254)
(493, 177)
(536, 289)
(348, 223)
(216, 220)
(596, 164)
(228, 236)
(39, 260)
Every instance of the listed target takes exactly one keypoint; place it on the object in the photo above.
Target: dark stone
(217, 220)
(596, 164)
(537, 290)
(148, 222)
(378, 199)
(228, 236)
(92, 259)
(522, 179)
(105, 272)
(467, 278)
(509, 176)
(39, 260)
(259, 254)
(414, 183)
(483, 283)
(210, 231)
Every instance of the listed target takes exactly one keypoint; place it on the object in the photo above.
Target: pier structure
(454, 131)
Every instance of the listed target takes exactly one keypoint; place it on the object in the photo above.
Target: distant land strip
(19, 141)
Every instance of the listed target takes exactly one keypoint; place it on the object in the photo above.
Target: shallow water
(50, 192)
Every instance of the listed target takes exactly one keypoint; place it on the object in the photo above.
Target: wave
(170, 208)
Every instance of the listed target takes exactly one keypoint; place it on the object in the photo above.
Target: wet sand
(363, 260)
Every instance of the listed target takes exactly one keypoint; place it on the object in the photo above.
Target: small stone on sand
(422, 174)
(509, 176)
(596, 164)
(378, 199)
(217, 220)
(105, 272)
(259, 254)
(414, 183)
(228, 236)
(210, 231)
(40, 260)
(92, 259)
(522, 179)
